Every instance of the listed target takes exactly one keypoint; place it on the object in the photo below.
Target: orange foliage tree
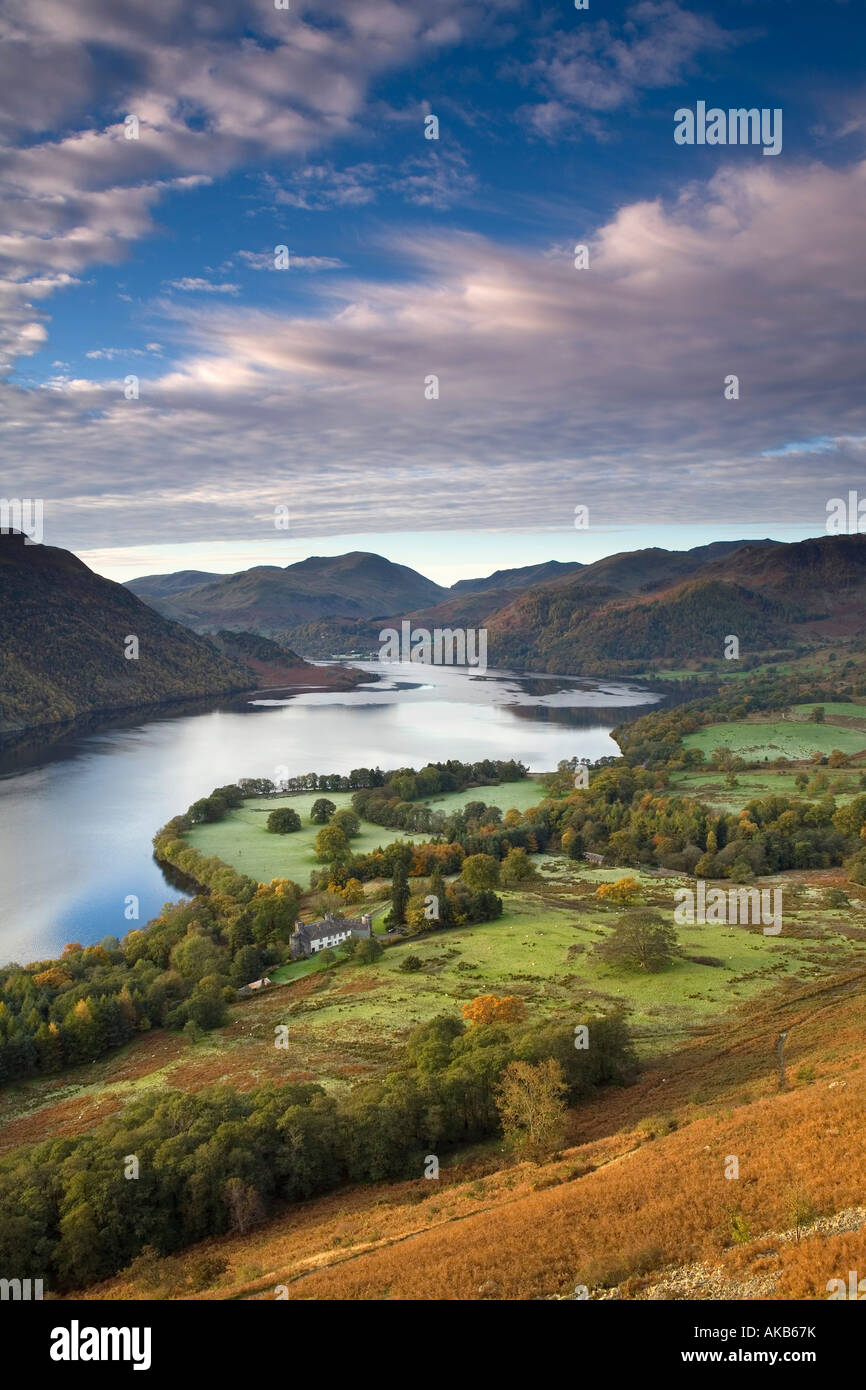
(491, 1008)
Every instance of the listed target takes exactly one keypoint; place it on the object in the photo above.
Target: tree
(517, 868)
(366, 951)
(399, 895)
(480, 871)
(439, 892)
(639, 941)
(491, 1008)
(622, 892)
(531, 1104)
(346, 821)
(245, 1206)
(196, 955)
(331, 844)
(283, 821)
(817, 715)
(322, 811)
(411, 963)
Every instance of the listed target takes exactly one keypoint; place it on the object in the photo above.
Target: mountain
(564, 615)
(64, 632)
(274, 601)
(625, 611)
(524, 578)
(160, 586)
(654, 605)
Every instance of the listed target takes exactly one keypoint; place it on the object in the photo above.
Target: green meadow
(711, 787)
(833, 710)
(780, 738)
(243, 841)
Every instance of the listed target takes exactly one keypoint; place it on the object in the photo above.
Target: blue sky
(304, 387)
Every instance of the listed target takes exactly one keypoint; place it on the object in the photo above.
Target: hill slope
(63, 633)
(654, 605)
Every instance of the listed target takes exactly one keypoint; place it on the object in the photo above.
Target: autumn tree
(492, 1008)
(532, 1108)
(346, 821)
(331, 844)
(480, 871)
(622, 892)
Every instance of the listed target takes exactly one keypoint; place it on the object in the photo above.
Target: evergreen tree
(399, 894)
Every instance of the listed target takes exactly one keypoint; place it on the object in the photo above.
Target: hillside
(63, 634)
(566, 590)
(273, 601)
(491, 1228)
(275, 666)
(767, 593)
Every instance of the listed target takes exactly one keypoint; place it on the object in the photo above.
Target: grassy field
(833, 710)
(843, 783)
(242, 840)
(779, 738)
(542, 950)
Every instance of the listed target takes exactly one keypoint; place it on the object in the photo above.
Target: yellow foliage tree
(492, 1008)
(623, 891)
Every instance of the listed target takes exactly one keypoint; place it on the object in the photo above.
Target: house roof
(329, 926)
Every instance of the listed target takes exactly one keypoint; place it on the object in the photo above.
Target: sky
(424, 371)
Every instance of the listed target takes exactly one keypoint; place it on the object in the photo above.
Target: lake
(77, 815)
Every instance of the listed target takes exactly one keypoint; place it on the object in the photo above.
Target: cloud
(436, 180)
(600, 68)
(212, 87)
(319, 186)
(108, 354)
(195, 283)
(264, 260)
(557, 386)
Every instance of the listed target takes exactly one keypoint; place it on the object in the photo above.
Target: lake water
(77, 816)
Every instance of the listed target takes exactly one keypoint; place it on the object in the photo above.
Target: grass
(242, 840)
(711, 786)
(775, 739)
(541, 950)
(833, 710)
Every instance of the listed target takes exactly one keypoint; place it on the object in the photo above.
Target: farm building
(310, 937)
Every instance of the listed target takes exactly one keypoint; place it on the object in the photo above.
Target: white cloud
(195, 283)
(599, 67)
(264, 260)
